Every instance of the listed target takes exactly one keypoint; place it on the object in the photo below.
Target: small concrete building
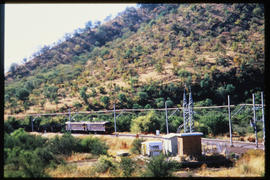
(151, 148)
(189, 144)
(170, 144)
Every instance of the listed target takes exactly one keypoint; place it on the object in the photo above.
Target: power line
(126, 110)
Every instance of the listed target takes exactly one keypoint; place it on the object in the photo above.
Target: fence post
(254, 120)
(230, 122)
(114, 118)
(263, 117)
(166, 117)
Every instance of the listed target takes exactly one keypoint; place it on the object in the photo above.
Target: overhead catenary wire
(126, 110)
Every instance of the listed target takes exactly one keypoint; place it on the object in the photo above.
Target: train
(105, 127)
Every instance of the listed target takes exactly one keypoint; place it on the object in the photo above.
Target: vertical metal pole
(114, 118)
(69, 115)
(184, 111)
(263, 117)
(166, 117)
(230, 122)
(32, 123)
(190, 113)
(254, 120)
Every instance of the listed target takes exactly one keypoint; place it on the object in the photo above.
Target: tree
(215, 122)
(160, 102)
(22, 94)
(147, 123)
(105, 100)
(83, 95)
(169, 102)
(88, 25)
(122, 98)
(50, 92)
(13, 67)
(143, 96)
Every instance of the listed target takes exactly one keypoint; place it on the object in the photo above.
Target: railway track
(216, 145)
(206, 141)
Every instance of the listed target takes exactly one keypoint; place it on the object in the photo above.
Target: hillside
(145, 56)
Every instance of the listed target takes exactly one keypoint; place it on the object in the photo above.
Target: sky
(29, 27)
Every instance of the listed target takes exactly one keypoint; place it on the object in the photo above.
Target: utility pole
(263, 117)
(114, 118)
(254, 120)
(166, 117)
(230, 122)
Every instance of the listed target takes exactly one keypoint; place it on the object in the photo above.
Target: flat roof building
(151, 148)
(170, 144)
(189, 144)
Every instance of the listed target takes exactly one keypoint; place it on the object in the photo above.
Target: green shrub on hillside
(127, 165)
(136, 146)
(216, 122)
(105, 164)
(64, 145)
(93, 145)
(26, 155)
(158, 166)
(147, 123)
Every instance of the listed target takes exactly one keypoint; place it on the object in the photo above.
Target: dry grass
(117, 144)
(79, 157)
(69, 170)
(251, 164)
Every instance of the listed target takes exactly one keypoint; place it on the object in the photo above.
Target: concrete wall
(170, 145)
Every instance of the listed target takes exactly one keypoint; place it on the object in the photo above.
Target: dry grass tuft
(79, 157)
(71, 171)
(251, 164)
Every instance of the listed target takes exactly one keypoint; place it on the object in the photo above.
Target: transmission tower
(185, 112)
(190, 113)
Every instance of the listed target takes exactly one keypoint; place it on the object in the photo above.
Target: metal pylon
(190, 113)
(185, 112)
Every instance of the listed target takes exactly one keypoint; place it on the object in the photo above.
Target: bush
(136, 146)
(158, 167)
(105, 100)
(160, 102)
(26, 155)
(183, 73)
(24, 140)
(216, 122)
(127, 165)
(123, 123)
(7, 127)
(24, 163)
(64, 145)
(105, 164)
(94, 145)
(147, 123)
(22, 94)
(11, 124)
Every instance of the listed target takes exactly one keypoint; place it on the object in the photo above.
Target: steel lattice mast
(190, 112)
